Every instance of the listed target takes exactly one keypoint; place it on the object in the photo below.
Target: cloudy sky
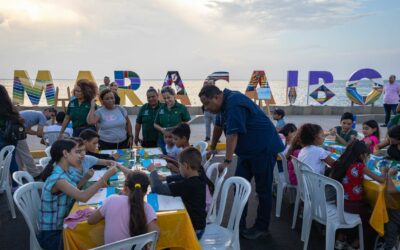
(198, 37)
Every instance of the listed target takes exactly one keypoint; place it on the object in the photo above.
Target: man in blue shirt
(252, 136)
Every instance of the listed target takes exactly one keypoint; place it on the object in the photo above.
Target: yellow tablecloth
(374, 193)
(176, 232)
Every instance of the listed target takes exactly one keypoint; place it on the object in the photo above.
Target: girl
(293, 150)
(349, 170)
(59, 191)
(127, 215)
(370, 130)
(311, 137)
(288, 132)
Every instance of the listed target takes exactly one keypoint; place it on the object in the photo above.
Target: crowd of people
(250, 135)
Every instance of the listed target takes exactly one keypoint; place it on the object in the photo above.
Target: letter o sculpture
(373, 95)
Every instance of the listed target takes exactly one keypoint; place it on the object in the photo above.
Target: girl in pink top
(127, 215)
(370, 130)
(293, 150)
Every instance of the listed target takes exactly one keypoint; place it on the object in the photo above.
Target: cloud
(276, 16)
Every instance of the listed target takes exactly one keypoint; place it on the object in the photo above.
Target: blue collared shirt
(256, 133)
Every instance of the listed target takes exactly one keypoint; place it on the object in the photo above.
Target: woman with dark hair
(145, 120)
(84, 91)
(115, 128)
(170, 115)
(8, 113)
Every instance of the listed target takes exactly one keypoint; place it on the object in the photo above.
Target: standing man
(252, 136)
(106, 84)
(146, 117)
(209, 118)
(23, 154)
(391, 92)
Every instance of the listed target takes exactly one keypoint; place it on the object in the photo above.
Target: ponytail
(209, 183)
(47, 170)
(137, 183)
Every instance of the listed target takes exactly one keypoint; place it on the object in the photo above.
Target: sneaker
(254, 233)
(341, 245)
(207, 139)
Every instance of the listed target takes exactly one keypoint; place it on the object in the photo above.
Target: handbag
(13, 132)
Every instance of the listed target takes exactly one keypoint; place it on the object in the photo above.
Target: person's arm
(67, 119)
(138, 126)
(231, 141)
(85, 178)
(92, 118)
(30, 131)
(381, 145)
(153, 226)
(105, 162)
(373, 176)
(39, 131)
(159, 128)
(328, 160)
(129, 131)
(398, 107)
(341, 140)
(157, 123)
(156, 185)
(216, 135)
(78, 195)
(95, 218)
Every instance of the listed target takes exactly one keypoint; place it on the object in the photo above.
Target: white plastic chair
(44, 161)
(282, 185)
(330, 214)
(5, 162)
(217, 237)
(139, 241)
(47, 151)
(19, 177)
(202, 147)
(27, 199)
(297, 164)
(208, 163)
(219, 178)
(51, 137)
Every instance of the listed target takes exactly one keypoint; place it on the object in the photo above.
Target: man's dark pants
(261, 168)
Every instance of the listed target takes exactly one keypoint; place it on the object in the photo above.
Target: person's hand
(115, 156)
(173, 168)
(89, 174)
(376, 148)
(151, 168)
(93, 103)
(110, 163)
(332, 132)
(393, 171)
(136, 140)
(210, 153)
(222, 166)
(384, 171)
(130, 142)
(110, 172)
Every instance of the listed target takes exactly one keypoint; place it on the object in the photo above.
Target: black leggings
(108, 145)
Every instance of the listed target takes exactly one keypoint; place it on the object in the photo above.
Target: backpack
(13, 132)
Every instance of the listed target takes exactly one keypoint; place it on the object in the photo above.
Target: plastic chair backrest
(139, 241)
(44, 161)
(52, 136)
(5, 162)
(242, 190)
(19, 177)
(27, 199)
(201, 146)
(208, 163)
(47, 151)
(285, 167)
(219, 178)
(300, 184)
(314, 194)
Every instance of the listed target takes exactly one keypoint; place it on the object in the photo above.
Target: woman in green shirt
(78, 108)
(169, 115)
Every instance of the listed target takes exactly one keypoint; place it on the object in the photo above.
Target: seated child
(370, 130)
(392, 227)
(293, 150)
(349, 170)
(59, 191)
(286, 134)
(57, 127)
(312, 137)
(91, 139)
(170, 147)
(278, 117)
(181, 136)
(128, 214)
(191, 188)
(344, 133)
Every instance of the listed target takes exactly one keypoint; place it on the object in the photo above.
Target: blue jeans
(389, 108)
(260, 167)
(51, 240)
(77, 131)
(13, 165)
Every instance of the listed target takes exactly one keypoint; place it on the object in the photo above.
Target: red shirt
(352, 182)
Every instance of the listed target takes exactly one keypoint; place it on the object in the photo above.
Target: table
(176, 229)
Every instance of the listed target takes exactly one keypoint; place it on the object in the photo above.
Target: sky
(198, 37)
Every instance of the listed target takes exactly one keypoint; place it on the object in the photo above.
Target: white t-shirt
(172, 151)
(313, 156)
(57, 128)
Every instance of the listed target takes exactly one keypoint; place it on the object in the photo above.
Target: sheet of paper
(97, 175)
(166, 203)
(159, 162)
(153, 151)
(97, 198)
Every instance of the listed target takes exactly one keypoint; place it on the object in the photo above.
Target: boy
(344, 133)
(57, 127)
(181, 136)
(90, 140)
(170, 147)
(191, 188)
(278, 117)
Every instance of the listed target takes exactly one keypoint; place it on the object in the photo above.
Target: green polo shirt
(171, 117)
(78, 113)
(146, 118)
